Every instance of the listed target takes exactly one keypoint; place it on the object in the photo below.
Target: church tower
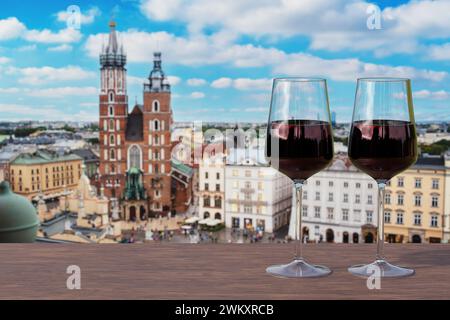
(113, 116)
(157, 113)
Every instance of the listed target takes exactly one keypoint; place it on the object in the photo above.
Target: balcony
(247, 190)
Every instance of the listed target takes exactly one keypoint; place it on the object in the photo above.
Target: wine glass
(299, 143)
(382, 143)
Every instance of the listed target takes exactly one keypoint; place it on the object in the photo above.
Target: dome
(18, 218)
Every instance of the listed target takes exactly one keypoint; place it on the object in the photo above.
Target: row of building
(339, 204)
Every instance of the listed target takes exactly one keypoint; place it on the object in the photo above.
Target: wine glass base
(298, 268)
(387, 270)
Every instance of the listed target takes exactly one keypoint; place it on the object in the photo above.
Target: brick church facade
(135, 148)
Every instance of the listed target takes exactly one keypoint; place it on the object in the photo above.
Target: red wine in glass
(383, 148)
(304, 146)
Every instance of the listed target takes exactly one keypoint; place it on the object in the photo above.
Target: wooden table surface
(219, 271)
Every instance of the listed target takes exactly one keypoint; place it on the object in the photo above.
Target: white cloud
(9, 90)
(4, 60)
(43, 112)
(197, 95)
(330, 25)
(435, 95)
(196, 82)
(174, 80)
(48, 36)
(11, 28)
(86, 18)
(89, 104)
(27, 48)
(252, 84)
(439, 52)
(61, 48)
(62, 92)
(350, 69)
(36, 76)
(257, 109)
(222, 83)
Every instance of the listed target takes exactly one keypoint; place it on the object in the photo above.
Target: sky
(221, 56)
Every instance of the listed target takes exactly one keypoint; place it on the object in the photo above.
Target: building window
(206, 175)
(434, 201)
(206, 186)
(112, 155)
(435, 184)
(260, 185)
(357, 215)
(369, 216)
(399, 218)
(111, 139)
(155, 106)
(305, 211)
(305, 195)
(248, 173)
(358, 185)
(317, 182)
(111, 95)
(135, 157)
(434, 220)
(234, 173)
(418, 183)
(387, 217)
(387, 198)
(417, 219)
(369, 199)
(156, 125)
(330, 196)
(345, 198)
(417, 200)
(111, 125)
(345, 184)
(217, 187)
(111, 111)
(330, 183)
(248, 209)
(206, 201)
(218, 178)
(316, 212)
(330, 213)
(357, 198)
(218, 202)
(344, 214)
(318, 196)
(400, 182)
(400, 199)
(370, 186)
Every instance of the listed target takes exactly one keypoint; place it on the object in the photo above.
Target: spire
(113, 55)
(158, 80)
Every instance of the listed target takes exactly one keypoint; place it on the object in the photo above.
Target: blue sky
(220, 55)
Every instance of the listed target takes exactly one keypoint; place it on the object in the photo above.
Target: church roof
(135, 125)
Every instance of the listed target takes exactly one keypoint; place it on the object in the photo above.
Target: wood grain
(221, 271)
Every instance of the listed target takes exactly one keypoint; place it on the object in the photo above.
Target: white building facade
(212, 188)
(257, 197)
(339, 205)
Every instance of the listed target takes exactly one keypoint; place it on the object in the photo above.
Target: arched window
(112, 155)
(111, 125)
(111, 111)
(111, 139)
(155, 106)
(134, 157)
(111, 97)
(156, 125)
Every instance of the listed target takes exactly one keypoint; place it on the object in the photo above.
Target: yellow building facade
(46, 173)
(414, 203)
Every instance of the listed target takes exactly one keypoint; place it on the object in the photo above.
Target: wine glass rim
(383, 79)
(300, 79)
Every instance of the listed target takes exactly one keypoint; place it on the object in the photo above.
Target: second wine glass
(299, 143)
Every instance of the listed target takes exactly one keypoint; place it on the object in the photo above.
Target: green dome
(18, 218)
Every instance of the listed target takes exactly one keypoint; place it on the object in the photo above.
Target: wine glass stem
(298, 187)
(380, 217)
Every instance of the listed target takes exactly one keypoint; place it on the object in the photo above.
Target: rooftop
(42, 156)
